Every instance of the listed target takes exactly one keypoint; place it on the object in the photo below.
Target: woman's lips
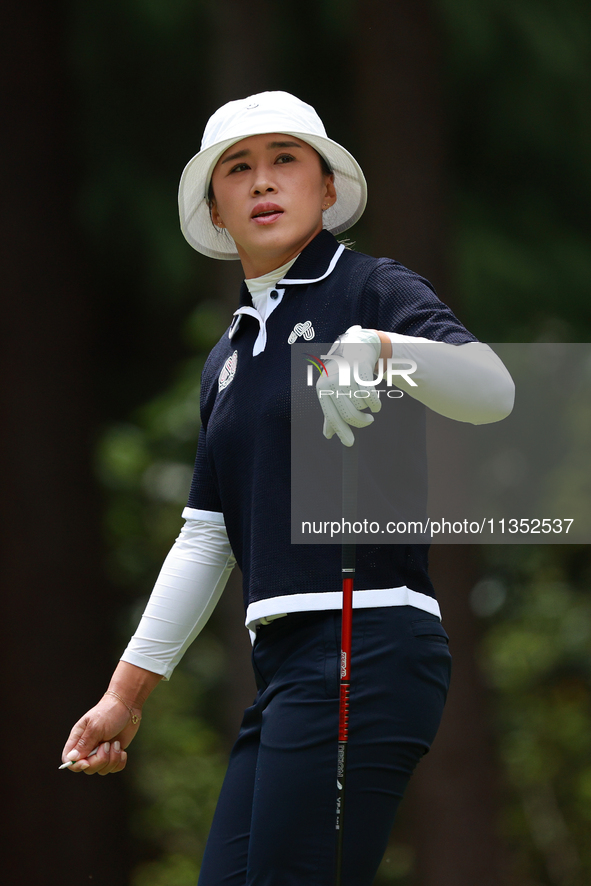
(267, 219)
(266, 213)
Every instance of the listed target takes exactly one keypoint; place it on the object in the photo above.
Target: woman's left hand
(106, 726)
(346, 389)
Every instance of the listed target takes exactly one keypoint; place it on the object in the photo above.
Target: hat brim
(201, 233)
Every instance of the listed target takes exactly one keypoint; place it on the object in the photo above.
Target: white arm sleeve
(466, 382)
(190, 584)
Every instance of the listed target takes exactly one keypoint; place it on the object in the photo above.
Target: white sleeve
(190, 584)
(466, 382)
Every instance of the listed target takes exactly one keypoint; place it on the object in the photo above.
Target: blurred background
(472, 122)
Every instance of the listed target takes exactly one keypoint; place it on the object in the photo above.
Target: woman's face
(269, 192)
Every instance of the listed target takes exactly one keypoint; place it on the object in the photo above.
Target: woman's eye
(239, 167)
(284, 158)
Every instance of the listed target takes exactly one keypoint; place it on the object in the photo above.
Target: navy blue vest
(243, 459)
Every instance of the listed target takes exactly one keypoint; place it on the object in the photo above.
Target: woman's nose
(262, 185)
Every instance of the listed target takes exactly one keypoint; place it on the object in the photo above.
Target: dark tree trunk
(403, 153)
(403, 139)
(57, 828)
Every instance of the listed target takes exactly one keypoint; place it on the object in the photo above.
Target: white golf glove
(342, 405)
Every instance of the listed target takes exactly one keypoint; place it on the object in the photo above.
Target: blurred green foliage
(145, 468)
(179, 775)
(519, 88)
(536, 657)
(518, 84)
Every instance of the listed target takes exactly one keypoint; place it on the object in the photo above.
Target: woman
(270, 188)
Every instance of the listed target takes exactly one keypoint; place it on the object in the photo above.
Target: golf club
(349, 507)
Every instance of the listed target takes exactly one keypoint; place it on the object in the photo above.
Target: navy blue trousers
(275, 820)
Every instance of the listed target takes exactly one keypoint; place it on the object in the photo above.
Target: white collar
(267, 281)
(261, 339)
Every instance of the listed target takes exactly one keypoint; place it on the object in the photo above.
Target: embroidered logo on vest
(228, 371)
(306, 329)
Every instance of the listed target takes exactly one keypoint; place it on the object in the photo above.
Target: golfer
(269, 188)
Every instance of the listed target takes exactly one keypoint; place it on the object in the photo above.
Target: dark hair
(324, 166)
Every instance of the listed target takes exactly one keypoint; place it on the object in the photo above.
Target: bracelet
(135, 719)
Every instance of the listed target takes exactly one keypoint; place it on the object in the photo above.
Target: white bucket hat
(257, 115)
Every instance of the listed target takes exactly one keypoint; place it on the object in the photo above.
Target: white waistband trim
(198, 514)
(276, 606)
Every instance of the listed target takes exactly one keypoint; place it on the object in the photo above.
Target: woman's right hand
(107, 726)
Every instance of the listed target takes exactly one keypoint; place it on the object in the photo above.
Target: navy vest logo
(228, 371)
(306, 329)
